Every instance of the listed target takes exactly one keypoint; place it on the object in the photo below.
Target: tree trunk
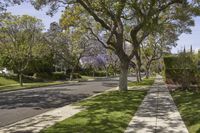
(137, 75)
(106, 72)
(147, 73)
(71, 74)
(21, 79)
(148, 69)
(138, 66)
(73, 68)
(93, 73)
(123, 76)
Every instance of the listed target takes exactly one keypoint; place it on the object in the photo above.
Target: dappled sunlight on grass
(106, 113)
(188, 104)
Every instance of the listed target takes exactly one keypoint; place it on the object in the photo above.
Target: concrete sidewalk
(157, 113)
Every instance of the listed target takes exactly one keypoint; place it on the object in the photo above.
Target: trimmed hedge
(176, 76)
(171, 62)
(181, 69)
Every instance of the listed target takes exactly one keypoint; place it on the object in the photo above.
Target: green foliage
(18, 37)
(182, 69)
(106, 113)
(40, 65)
(171, 62)
(188, 106)
(59, 76)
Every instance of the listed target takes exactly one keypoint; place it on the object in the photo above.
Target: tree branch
(95, 16)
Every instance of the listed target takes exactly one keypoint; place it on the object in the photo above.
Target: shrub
(58, 76)
(182, 69)
(75, 76)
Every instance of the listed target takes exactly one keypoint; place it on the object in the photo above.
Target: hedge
(176, 76)
(181, 69)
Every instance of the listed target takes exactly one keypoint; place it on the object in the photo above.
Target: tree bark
(148, 65)
(137, 75)
(74, 68)
(147, 73)
(138, 65)
(93, 73)
(21, 79)
(123, 76)
(106, 72)
(71, 74)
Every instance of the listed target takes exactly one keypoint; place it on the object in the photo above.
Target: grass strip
(188, 104)
(144, 82)
(110, 112)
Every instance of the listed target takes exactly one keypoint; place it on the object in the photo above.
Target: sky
(185, 40)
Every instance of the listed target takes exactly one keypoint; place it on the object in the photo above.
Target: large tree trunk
(139, 64)
(123, 76)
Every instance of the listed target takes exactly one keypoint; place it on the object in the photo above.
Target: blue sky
(184, 40)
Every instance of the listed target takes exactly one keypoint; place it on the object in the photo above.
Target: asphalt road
(18, 105)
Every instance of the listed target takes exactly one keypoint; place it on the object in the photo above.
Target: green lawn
(106, 113)
(188, 104)
(144, 82)
(5, 81)
(10, 84)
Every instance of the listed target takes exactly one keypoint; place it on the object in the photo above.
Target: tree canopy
(18, 37)
(114, 22)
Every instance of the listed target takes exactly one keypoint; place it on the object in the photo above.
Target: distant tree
(154, 47)
(68, 46)
(42, 61)
(18, 37)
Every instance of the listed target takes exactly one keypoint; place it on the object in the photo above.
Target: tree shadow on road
(39, 99)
